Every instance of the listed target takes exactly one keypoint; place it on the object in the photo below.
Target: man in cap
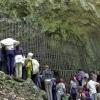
(29, 64)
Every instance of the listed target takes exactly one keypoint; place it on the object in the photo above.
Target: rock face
(14, 90)
(91, 5)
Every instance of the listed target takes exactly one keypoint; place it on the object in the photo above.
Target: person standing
(91, 85)
(9, 44)
(35, 72)
(19, 61)
(54, 83)
(61, 89)
(48, 88)
(47, 73)
(47, 77)
(73, 88)
(10, 59)
(80, 77)
(29, 64)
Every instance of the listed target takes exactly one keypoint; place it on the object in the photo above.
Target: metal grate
(65, 57)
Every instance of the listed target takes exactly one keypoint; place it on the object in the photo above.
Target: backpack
(35, 66)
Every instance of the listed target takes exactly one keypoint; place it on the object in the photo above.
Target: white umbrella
(9, 41)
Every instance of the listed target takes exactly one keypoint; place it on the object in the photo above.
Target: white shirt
(35, 66)
(19, 59)
(91, 85)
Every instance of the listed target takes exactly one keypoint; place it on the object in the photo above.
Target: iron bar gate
(64, 57)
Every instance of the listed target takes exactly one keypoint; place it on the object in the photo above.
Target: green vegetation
(58, 20)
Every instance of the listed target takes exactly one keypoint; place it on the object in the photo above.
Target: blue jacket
(47, 74)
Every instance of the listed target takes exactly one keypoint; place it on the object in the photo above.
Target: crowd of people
(83, 86)
(14, 63)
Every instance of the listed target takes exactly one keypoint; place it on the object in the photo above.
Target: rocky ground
(11, 89)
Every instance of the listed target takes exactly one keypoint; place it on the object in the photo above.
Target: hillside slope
(14, 90)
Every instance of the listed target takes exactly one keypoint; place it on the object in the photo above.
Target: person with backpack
(61, 89)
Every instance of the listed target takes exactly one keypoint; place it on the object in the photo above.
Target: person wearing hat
(29, 64)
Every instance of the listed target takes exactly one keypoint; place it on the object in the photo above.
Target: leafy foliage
(56, 18)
